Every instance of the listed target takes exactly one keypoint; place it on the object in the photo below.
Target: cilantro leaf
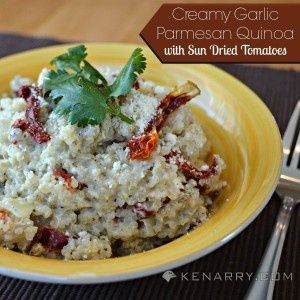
(92, 74)
(55, 79)
(70, 60)
(73, 88)
(128, 75)
(81, 100)
(115, 110)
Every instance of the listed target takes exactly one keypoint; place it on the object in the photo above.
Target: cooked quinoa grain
(80, 196)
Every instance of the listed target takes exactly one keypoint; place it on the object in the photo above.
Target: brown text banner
(194, 33)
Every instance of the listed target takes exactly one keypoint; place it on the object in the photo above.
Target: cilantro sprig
(76, 89)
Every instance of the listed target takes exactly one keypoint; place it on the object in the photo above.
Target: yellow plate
(241, 129)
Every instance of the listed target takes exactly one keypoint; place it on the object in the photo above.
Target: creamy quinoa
(113, 205)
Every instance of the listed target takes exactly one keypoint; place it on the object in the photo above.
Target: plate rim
(96, 278)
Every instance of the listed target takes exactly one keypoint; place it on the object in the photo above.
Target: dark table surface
(280, 90)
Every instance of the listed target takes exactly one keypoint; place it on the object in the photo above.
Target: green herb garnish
(78, 90)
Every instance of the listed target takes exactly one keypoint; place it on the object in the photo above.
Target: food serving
(100, 163)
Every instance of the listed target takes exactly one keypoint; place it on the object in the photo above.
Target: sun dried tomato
(31, 123)
(138, 146)
(142, 146)
(190, 171)
(172, 102)
(24, 91)
(35, 128)
(51, 238)
(4, 215)
(63, 173)
(21, 124)
(142, 211)
(136, 85)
